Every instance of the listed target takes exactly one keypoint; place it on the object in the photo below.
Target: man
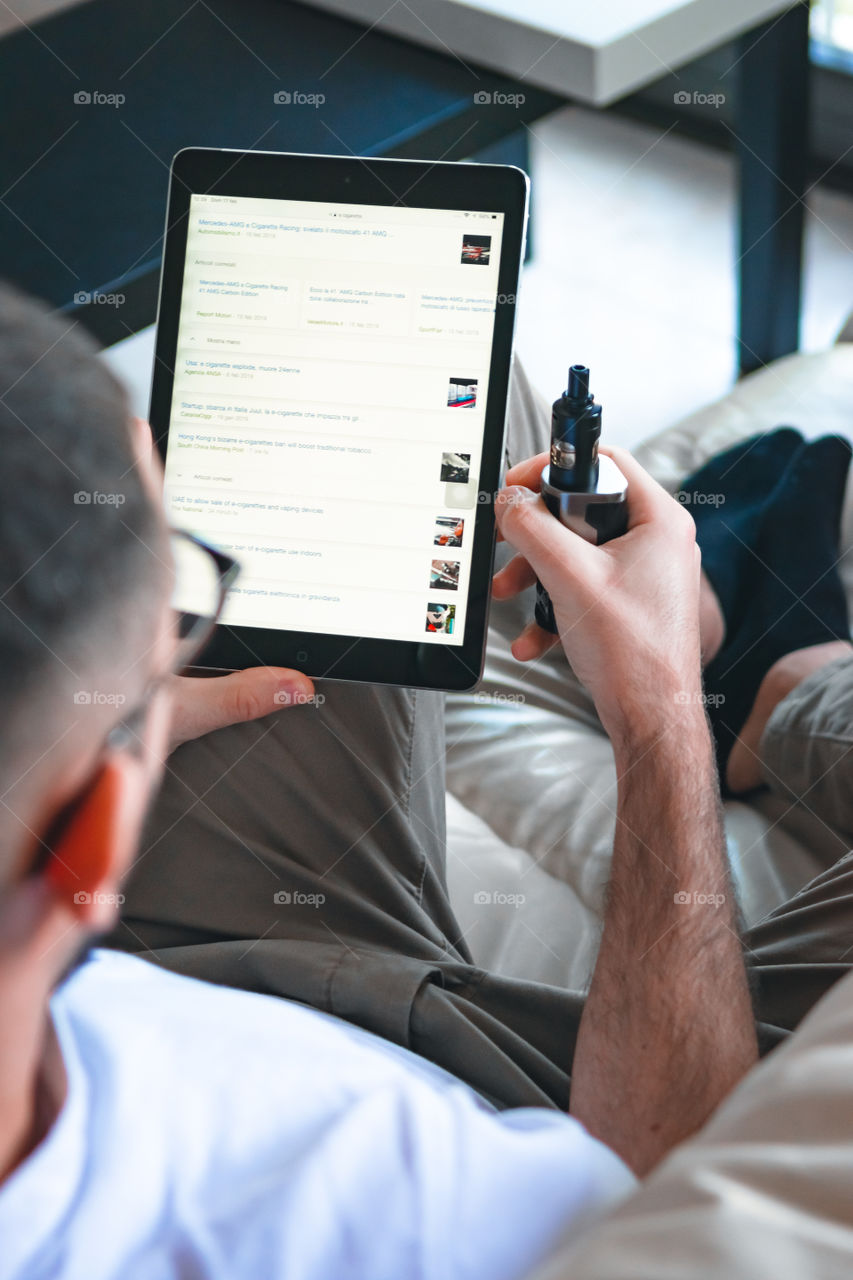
(155, 1126)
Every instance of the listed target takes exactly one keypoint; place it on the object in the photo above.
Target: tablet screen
(328, 408)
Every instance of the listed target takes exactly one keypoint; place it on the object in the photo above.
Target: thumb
(202, 705)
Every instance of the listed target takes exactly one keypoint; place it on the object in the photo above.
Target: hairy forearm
(668, 1026)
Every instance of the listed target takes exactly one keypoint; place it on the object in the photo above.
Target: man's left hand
(200, 705)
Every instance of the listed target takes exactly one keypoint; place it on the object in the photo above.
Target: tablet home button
(302, 655)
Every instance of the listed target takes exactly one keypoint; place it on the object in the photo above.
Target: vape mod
(586, 493)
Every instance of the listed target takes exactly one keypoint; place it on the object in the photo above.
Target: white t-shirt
(212, 1133)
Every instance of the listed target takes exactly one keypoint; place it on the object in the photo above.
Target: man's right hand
(627, 611)
(668, 1027)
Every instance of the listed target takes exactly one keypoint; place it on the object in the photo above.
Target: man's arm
(668, 1026)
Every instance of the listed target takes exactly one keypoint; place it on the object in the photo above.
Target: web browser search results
(328, 409)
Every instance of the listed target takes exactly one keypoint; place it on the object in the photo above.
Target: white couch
(531, 784)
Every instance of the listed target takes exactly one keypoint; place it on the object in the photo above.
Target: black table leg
(772, 145)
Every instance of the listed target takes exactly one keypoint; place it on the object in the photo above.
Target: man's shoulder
(125, 997)
(120, 988)
(226, 1074)
(245, 1112)
(171, 1026)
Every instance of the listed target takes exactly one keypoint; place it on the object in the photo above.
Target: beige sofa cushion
(765, 1191)
(811, 392)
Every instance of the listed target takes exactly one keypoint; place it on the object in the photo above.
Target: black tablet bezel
(350, 179)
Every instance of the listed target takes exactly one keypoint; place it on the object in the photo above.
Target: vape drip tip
(575, 432)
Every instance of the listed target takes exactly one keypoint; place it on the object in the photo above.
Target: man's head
(84, 624)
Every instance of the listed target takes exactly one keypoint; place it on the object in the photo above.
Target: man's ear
(94, 843)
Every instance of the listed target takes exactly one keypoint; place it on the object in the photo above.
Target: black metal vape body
(585, 491)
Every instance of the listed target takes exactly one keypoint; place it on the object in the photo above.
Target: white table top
(593, 51)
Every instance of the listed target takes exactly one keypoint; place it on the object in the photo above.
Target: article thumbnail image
(455, 468)
(448, 531)
(476, 249)
(441, 618)
(462, 393)
(444, 575)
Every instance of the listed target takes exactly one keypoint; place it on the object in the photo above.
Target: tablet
(330, 385)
